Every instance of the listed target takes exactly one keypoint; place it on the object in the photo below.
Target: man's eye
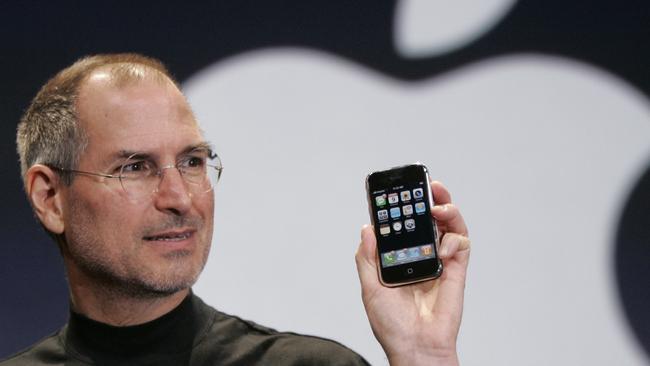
(136, 167)
(192, 162)
(195, 162)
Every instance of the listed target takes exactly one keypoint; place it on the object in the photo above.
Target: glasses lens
(138, 177)
(200, 169)
(214, 173)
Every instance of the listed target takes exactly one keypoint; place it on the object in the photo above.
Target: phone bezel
(412, 272)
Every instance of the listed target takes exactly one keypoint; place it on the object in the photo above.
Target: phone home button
(409, 271)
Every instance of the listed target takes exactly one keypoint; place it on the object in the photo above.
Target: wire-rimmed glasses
(140, 177)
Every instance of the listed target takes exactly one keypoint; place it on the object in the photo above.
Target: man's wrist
(417, 359)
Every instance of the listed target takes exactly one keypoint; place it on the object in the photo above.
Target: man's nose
(172, 194)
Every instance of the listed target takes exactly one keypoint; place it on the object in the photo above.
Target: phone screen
(400, 201)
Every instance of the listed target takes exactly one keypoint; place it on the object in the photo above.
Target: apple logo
(425, 28)
(539, 152)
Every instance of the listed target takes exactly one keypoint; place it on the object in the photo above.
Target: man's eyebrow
(201, 145)
(125, 154)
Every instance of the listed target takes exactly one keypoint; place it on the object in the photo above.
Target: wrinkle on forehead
(124, 75)
(117, 85)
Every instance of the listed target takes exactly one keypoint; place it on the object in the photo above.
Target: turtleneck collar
(172, 334)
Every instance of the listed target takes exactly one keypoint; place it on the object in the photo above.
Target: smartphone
(400, 201)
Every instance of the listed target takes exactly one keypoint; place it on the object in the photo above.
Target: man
(118, 173)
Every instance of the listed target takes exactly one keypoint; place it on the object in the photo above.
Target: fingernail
(444, 251)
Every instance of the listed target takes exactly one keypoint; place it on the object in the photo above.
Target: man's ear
(44, 193)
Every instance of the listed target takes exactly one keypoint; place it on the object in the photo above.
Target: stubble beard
(126, 279)
(138, 285)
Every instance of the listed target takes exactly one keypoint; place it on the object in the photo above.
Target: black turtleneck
(171, 335)
(191, 334)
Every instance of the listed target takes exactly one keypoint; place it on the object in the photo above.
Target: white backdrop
(538, 152)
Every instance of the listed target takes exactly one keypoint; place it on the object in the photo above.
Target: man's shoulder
(48, 351)
(244, 341)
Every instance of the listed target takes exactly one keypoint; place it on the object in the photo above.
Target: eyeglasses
(140, 178)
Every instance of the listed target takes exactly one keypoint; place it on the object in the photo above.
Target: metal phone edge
(435, 228)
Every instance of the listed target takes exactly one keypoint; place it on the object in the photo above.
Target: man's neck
(120, 309)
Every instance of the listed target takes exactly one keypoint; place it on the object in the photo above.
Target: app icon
(418, 193)
(401, 254)
(389, 257)
(395, 212)
(382, 215)
(420, 207)
(397, 226)
(427, 249)
(380, 200)
(414, 252)
(409, 224)
(407, 210)
(384, 229)
(406, 196)
(392, 198)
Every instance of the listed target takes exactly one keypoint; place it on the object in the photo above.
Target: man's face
(155, 245)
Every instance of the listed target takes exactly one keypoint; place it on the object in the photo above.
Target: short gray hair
(49, 132)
